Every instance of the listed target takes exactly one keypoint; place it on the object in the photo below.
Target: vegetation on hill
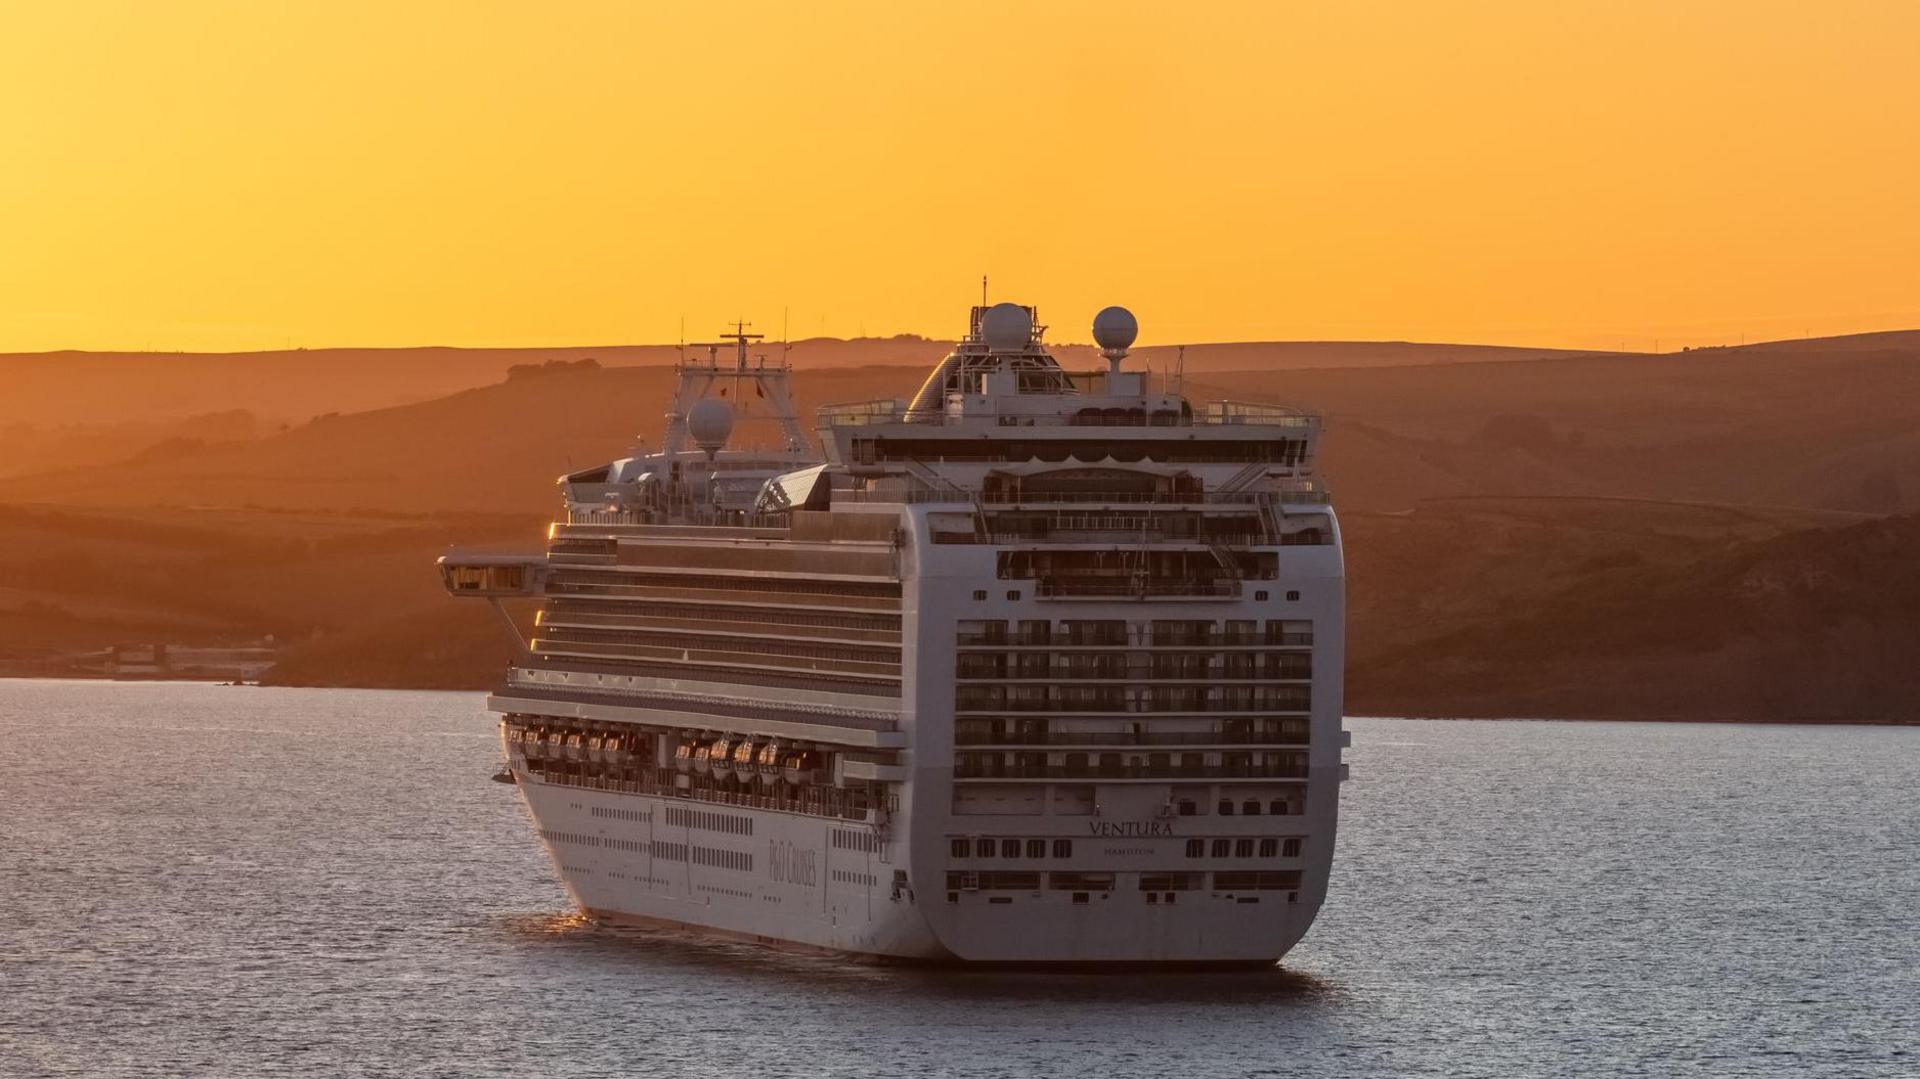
(1696, 535)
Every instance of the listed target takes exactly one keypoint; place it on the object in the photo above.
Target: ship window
(979, 593)
(1221, 847)
(984, 849)
(1226, 807)
(1063, 848)
(1279, 806)
(1260, 595)
(1243, 848)
(1015, 594)
(1187, 808)
(1009, 848)
(1079, 897)
(1293, 595)
(1269, 847)
(1251, 807)
(962, 848)
(1036, 848)
(1196, 847)
(1292, 848)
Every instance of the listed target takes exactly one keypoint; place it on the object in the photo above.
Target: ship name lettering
(788, 864)
(1107, 829)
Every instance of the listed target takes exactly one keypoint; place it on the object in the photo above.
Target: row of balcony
(1116, 766)
(1117, 635)
(1288, 666)
(1118, 699)
(975, 732)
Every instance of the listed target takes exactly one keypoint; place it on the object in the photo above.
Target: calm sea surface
(230, 881)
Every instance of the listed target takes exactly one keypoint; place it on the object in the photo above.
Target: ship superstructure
(1036, 666)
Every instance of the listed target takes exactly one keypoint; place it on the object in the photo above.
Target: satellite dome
(709, 422)
(1114, 329)
(1006, 327)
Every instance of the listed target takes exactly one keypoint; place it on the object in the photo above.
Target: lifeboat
(593, 748)
(516, 742)
(802, 766)
(717, 762)
(683, 756)
(740, 761)
(767, 763)
(576, 746)
(613, 748)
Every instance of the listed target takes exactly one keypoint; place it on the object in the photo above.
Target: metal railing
(1057, 739)
(835, 802)
(1066, 587)
(967, 768)
(1144, 639)
(1213, 413)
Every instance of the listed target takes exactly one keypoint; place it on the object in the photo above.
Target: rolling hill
(1514, 526)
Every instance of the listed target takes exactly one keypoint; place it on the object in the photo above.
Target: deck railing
(836, 802)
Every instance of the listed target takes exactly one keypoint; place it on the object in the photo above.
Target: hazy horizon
(205, 177)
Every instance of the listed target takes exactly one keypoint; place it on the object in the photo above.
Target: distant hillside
(1572, 535)
(495, 449)
(1797, 427)
(1814, 624)
(61, 410)
(56, 388)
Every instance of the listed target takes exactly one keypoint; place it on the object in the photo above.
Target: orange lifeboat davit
(767, 764)
(719, 762)
(743, 758)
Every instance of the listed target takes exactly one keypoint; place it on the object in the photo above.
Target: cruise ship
(1038, 666)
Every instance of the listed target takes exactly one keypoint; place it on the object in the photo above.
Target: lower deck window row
(662, 850)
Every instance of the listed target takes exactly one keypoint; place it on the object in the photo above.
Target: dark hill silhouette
(73, 409)
(1798, 427)
(1491, 508)
(1812, 625)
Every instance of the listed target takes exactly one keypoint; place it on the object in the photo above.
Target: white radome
(1115, 328)
(709, 423)
(1006, 327)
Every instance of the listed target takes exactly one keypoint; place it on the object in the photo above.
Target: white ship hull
(789, 883)
(781, 878)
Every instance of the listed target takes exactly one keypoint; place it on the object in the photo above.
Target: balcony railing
(968, 672)
(1040, 498)
(1213, 413)
(1082, 588)
(842, 803)
(964, 769)
(1016, 739)
(1013, 638)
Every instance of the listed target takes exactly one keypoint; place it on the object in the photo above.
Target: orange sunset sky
(254, 174)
